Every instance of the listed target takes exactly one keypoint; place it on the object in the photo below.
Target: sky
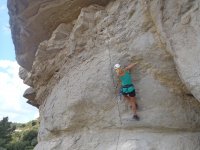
(12, 103)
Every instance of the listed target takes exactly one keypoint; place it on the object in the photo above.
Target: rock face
(33, 22)
(73, 80)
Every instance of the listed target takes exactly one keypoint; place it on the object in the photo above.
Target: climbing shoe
(136, 117)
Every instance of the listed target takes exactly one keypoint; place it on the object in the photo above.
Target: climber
(127, 87)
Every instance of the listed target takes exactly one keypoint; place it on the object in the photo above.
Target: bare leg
(132, 102)
(128, 99)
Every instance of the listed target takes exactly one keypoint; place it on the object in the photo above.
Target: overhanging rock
(33, 22)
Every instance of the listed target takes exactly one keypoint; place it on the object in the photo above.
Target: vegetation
(16, 136)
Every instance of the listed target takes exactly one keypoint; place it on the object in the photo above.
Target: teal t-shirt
(126, 79)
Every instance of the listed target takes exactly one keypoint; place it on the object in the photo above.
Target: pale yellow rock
(74, 79)
(33, 22)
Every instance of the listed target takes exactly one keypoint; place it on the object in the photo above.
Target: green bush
(1, 148)
(18, 145)
(29, 147)
(6, 130)
(29, 135)
(34, 142)
(34, 123)
(24, 139)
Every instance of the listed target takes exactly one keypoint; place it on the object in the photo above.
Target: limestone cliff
(67, 49)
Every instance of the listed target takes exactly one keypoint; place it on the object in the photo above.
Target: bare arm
(118, 85)
(130, 66)
(118, 82)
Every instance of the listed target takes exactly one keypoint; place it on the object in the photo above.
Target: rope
(110, 60)
(118, 138)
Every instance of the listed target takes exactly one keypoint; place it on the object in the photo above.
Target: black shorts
(131, 94)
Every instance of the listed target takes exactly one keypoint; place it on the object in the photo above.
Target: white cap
(117, 66)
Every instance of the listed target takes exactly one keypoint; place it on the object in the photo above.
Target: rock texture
(178, 25)
(33, 22)
(73, 78)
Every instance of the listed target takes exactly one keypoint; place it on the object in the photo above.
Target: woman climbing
(127, 87)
